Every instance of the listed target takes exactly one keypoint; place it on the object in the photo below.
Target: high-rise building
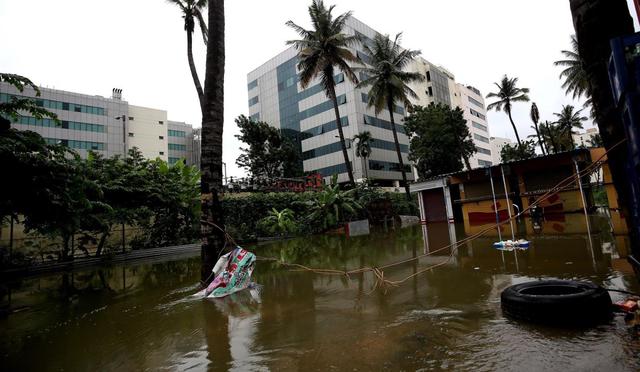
(440, 87)
(109, 126)
(307, 115)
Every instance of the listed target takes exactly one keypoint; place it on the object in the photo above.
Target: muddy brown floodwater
(134, 318)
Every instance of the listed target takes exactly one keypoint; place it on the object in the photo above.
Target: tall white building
(307, 115)
(440, 87)
(584, 139)
(497, 143)
(94, 123)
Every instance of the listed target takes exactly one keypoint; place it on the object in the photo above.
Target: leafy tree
(555, 137)
(508, 93)
(567, 120)
(363, 147)
(322, 49)
(535, 117)
(192, 11)
(596, 141)
(12, 108)
(269, 153)
(388, 82)
(518, 152)
(440, 139)
(213, 240)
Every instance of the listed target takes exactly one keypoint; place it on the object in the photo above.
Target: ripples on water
(146, 318)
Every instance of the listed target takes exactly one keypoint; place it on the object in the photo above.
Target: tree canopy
(440, 139)
(269, 154)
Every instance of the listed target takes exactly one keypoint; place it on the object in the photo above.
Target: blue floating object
(509, 245)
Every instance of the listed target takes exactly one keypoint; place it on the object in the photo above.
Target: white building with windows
(497, 143)
(307, 115)
(94, 123)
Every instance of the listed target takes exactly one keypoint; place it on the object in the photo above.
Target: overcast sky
(91, 46)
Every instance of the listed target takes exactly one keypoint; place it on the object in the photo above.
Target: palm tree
(575, 77)
(321, 50)
(213, 239)
(535, 117)
(507, 93)
(388, 83)
(568, 119)
(192, 11)
(363, 147)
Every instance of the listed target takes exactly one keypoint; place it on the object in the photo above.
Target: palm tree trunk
(395, 140)
(539, 139)
(514, 127)
(192, 67)
(212, 126)
(341, 134)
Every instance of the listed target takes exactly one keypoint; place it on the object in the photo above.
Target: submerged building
(307, 115)
(108, 126)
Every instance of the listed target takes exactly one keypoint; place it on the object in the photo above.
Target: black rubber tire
(557, 302)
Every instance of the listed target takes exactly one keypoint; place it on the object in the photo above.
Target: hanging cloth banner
(238, 266)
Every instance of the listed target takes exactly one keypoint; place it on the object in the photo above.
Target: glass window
(480, 138)
(253, 101)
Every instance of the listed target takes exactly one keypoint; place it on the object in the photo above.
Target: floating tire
(557, 302)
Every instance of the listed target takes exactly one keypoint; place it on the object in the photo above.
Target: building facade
(307, 115)
(108, 126)
(440, 87)
(584, 139)
(497, 143)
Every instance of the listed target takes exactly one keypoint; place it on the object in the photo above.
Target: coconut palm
(320, 51)
(575, 77)
(192, 11)
(363, 147)
(508, 93)
(388, 82)
(568, 119)
(535, 117)
(213, 240)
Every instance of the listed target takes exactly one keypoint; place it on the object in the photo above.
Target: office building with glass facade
(94, 123)
(307, 116)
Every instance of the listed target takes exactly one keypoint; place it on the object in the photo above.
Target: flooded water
(128, 318)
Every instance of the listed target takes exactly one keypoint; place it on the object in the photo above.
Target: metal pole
(506, 195)
(495, 204)
(584, 208)
(423, 222)
(124, 135)
(495, 208)
(11, 239)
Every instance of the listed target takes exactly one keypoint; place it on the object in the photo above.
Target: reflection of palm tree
(388, 83)
(568, 119)
(322, 49)
(508, 93)
(363, 148)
